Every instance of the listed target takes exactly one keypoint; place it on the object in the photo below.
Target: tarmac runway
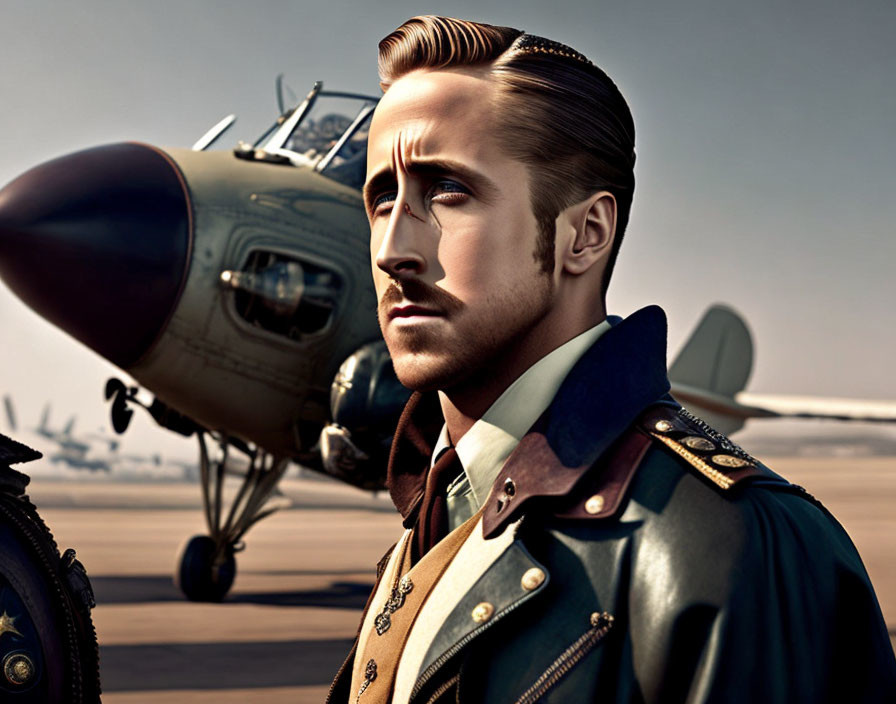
(304, 578)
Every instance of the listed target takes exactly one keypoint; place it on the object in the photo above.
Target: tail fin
(69, 427)
(718, 356)
(716, 360)
(44, 418)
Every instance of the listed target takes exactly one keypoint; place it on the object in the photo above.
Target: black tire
(198, 577)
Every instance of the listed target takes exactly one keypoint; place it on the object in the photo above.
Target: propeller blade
(10, 412)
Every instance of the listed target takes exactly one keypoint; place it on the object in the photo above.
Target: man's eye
(446, 191)
(449, 187)
(384, 199)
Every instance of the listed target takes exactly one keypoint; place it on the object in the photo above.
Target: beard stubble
(477, 343)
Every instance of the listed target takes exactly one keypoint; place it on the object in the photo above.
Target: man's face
(453, 235)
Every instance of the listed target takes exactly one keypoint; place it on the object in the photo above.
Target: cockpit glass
(348, 164)
(322, 126)
(332, 136)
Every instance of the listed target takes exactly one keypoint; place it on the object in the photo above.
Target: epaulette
(713, 455)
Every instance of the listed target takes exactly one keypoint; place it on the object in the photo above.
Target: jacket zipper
(601, 625)
(442, 689)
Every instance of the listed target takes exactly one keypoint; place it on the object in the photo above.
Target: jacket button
(18, 669)
(595, 504)
(695, 442)
(729, 461)
(509, 488)
(483, 612)
(663, 426)
(532, 579)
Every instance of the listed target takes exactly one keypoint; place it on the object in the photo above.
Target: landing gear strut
(208, 564)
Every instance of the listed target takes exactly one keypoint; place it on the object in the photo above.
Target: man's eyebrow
(381, 180)
(485, 188)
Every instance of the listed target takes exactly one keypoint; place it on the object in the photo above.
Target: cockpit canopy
(327, 131)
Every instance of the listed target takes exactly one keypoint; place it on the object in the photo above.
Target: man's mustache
(420, 294)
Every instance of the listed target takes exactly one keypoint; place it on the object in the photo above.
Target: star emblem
(7, 625)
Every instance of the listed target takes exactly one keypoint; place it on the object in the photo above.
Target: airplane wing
(817, 407)
(711, 370)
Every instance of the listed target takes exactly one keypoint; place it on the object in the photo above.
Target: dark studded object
(48, 647)
(12, 452)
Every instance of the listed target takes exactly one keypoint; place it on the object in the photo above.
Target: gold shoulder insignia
(718, 459)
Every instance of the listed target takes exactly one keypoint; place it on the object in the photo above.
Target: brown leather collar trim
(579, 492)
(602, 490)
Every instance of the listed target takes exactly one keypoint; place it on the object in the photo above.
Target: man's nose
(401, 253)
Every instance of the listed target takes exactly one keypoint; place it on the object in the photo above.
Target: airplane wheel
(198, 577)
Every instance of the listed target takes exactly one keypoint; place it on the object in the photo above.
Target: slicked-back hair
(557, 113)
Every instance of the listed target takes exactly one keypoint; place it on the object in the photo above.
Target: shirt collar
(491, 439)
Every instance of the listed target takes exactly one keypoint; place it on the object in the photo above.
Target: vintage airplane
(234, 287)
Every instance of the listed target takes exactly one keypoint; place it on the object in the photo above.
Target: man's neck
(465, 403)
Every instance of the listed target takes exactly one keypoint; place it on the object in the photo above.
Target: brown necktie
(432, 522)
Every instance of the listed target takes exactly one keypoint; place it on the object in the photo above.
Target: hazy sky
(766, 153)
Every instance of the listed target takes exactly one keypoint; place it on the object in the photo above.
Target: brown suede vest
(373, 673)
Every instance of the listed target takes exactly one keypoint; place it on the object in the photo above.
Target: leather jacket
(664, 564)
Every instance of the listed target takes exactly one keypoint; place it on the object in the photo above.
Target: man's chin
(425, 372)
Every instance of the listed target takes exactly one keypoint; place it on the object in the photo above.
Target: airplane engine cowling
(98, 243)
(366, 400)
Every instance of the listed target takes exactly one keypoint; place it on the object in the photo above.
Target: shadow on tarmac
(339, 595)
(138, 589)
(162, 666)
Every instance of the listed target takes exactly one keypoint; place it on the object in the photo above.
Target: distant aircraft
(79, 451)
(235, 287)
(64, 437)
(73, 451)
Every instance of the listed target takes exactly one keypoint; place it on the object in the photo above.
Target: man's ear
(594, 222)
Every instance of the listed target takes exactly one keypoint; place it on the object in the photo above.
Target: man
(573, 535)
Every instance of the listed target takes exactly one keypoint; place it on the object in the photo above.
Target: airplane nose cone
(98, 243)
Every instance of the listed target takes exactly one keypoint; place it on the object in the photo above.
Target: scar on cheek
(408, 211)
